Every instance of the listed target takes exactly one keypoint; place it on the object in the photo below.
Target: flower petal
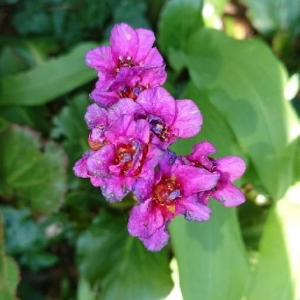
(153, 59)
(146, 39)
(123, 41)
(121, 128)
(116, 188)
(194, 180)
(158, 102)
(80, 168)
(106, 99)
(153, 76)
(95, 116)
(192, 209)
(100, 58)
(98, 163)
(188, 119)
(200, 150)
(142, 131)
(145, 219)
(156, 241)
(228, 194)
(233, 166)
(125, 106)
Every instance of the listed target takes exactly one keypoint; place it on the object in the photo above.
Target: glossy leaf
(49, 80)
(245, 82)
(32, 173)
(277, 275)
(120, 263)
(9, 273)
(210, 254)
(215, 127)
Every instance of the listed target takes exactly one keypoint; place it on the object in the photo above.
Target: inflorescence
(132, 124)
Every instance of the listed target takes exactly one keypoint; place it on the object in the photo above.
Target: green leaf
(135, 13)
(69, 123)
(178, 20)
(245, 83)
(9, 273)
(214, 129)
(49, 80)
(211, 257)
(10, 62)
(35, 117)
(269, 16)
(120, 263)
(277, 275)
(33, 173)
(84, 290)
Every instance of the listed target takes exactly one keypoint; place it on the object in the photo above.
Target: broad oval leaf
(120, 263)
(245, 83)
(211, 257)
(33, 173)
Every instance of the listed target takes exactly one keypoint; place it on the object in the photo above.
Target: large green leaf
(32, 172)
(49, 80)
(178, 20)
(214, 129)
(211, 257)
(277, 276)
(120, 263)
(9, 273)
(245, 82)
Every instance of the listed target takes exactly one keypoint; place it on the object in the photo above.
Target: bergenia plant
(132, 123)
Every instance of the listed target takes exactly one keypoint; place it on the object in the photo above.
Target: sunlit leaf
(245, 82)
(277, 275)
(210, 254)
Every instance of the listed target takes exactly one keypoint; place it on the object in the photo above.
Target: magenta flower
(174, 191)
(130, 83)
(169, 119)
(124, 158)
(81, 169)
(132, 124)
(98, 119)
(129, 64)
(229, 168)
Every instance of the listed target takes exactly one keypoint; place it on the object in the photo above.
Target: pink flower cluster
(132, 124)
